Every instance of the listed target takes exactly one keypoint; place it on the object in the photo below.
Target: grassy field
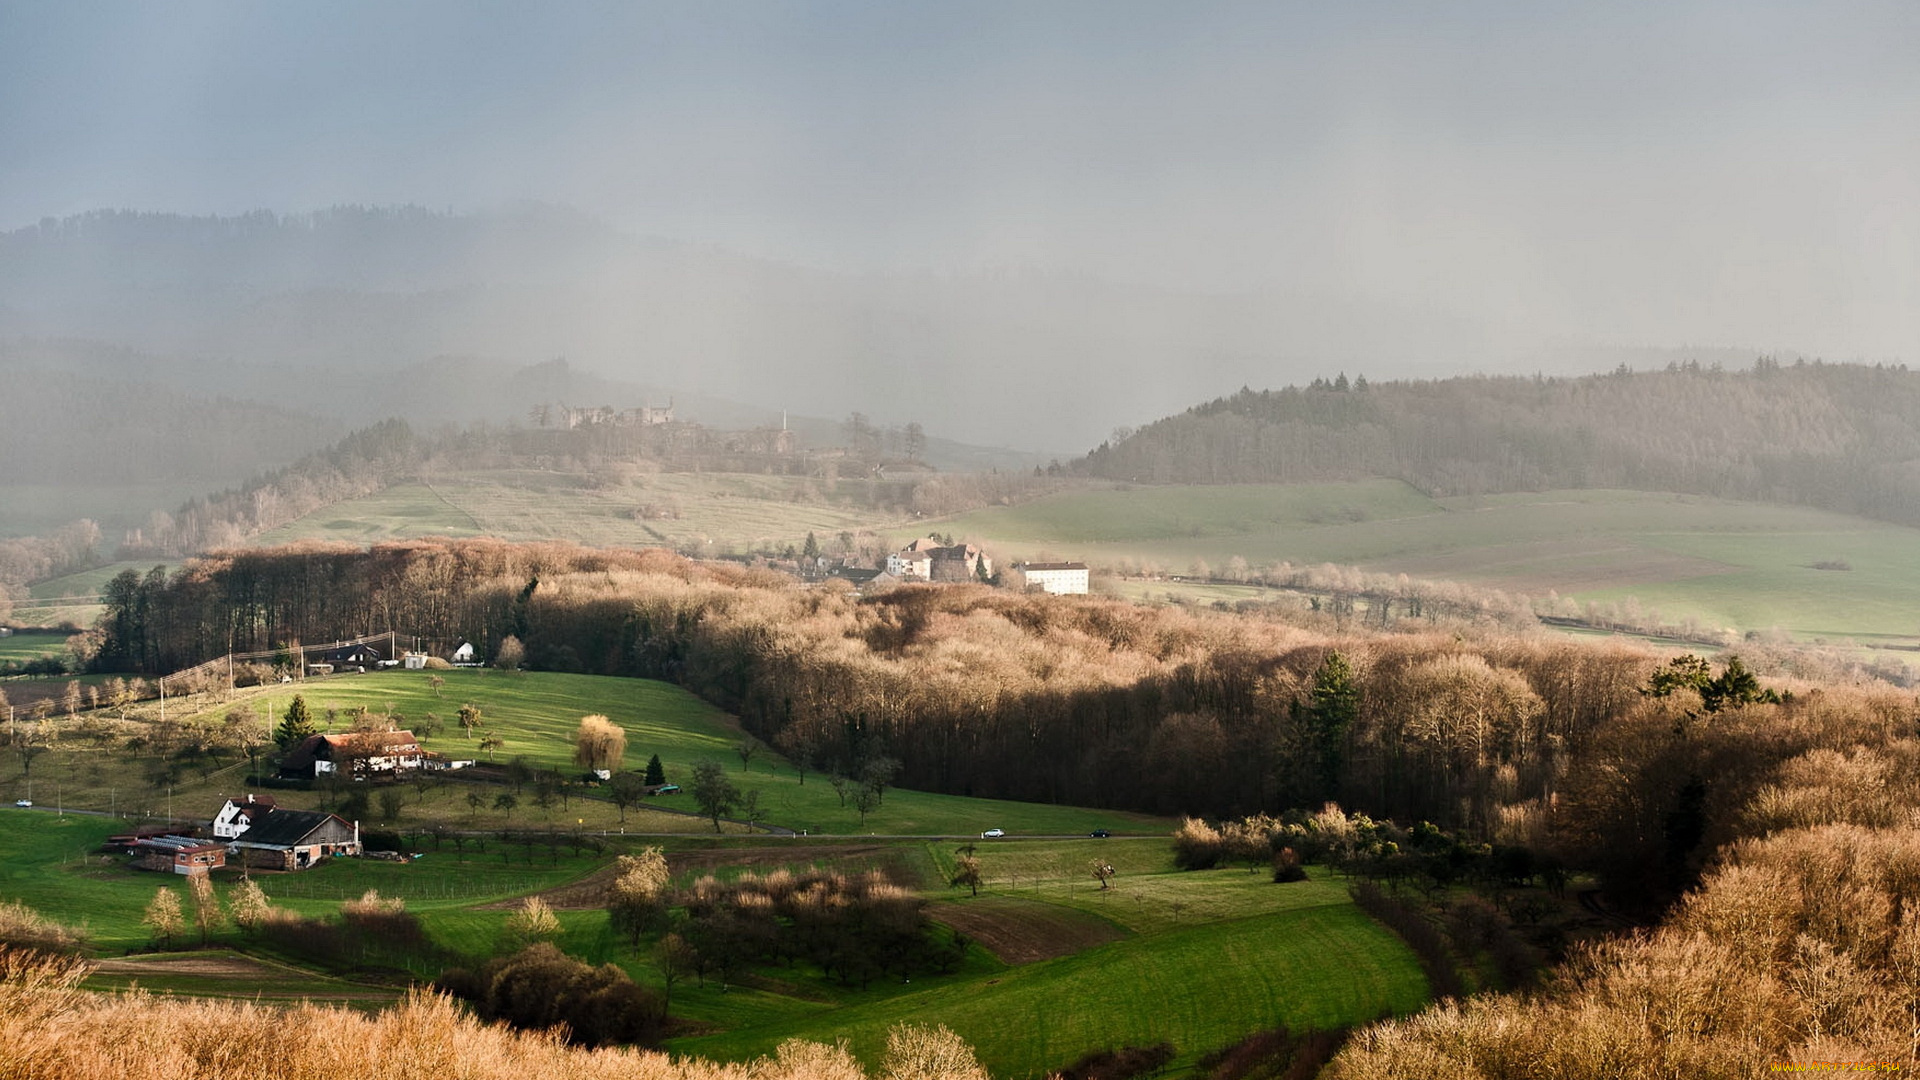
(536, 714)
(1059, 967)
(1238, 953)
(1722, 563)
(19, 648)
(725, 511)
(73, 599)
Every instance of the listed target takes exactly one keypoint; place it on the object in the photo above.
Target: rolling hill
(1719, 563)
(1842, 437)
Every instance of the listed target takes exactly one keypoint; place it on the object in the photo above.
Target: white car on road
(992, 833)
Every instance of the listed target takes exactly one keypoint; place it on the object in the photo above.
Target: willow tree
(599, 743)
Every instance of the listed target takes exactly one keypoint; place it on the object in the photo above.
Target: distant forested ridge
(57, 427)
(1843, 437)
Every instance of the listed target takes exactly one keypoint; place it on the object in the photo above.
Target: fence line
(298, 652)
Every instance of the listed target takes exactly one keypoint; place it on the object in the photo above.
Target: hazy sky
(1663, 174)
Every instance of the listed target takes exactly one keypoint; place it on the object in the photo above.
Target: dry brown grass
(23, 927)
(50, 1030)
(1802, 945)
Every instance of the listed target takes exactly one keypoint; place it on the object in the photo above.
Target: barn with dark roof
(295, 840)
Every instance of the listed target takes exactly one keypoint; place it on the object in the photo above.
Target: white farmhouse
(354, 754)
(239, 814)
(1056, 577)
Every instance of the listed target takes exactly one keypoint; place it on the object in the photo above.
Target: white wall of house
(1059, 582)
(912, 566)
(230, 822)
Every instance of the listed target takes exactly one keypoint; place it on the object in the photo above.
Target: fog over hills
(260, 301)
(1017, 224)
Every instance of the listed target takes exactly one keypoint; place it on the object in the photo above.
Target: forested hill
(1843, 437)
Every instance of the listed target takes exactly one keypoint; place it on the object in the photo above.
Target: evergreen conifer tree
(296, 726)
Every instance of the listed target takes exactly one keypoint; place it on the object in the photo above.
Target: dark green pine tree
(656, 772)
(296, 726)
(1332, 707)
(812, 549)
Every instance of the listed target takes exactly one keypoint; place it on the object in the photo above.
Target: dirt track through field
(226, 975)
(1024, 931)
(212, 967)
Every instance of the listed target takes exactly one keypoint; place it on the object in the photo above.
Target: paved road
(767, 829)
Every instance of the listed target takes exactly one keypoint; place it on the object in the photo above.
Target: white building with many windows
(1056, 577)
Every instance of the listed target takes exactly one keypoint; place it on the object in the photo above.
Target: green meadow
(1200, 960)
(729, 511)
(1724, 564)
(536, 715)
(19, 648)
(1197, 959)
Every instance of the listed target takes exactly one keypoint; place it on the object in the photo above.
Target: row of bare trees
(968, 689)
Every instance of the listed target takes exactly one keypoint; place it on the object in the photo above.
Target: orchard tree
(250, 906)
(510, 655)
(1103, 871)
(246, 732)
(207, 916)
(713, 791)
(626, 790)
(676, 959)
(534, 923)
(966, 871)
(469, 718)
(30, 742)
(163, 916)
(637, 899)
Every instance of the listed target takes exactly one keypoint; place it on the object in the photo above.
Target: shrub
(1277, 1054)
(1197, 846)
(1287, 868)
(1414, 929)
(24, 928)
(1122, 1064)
(541, 987)
(373, 931)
